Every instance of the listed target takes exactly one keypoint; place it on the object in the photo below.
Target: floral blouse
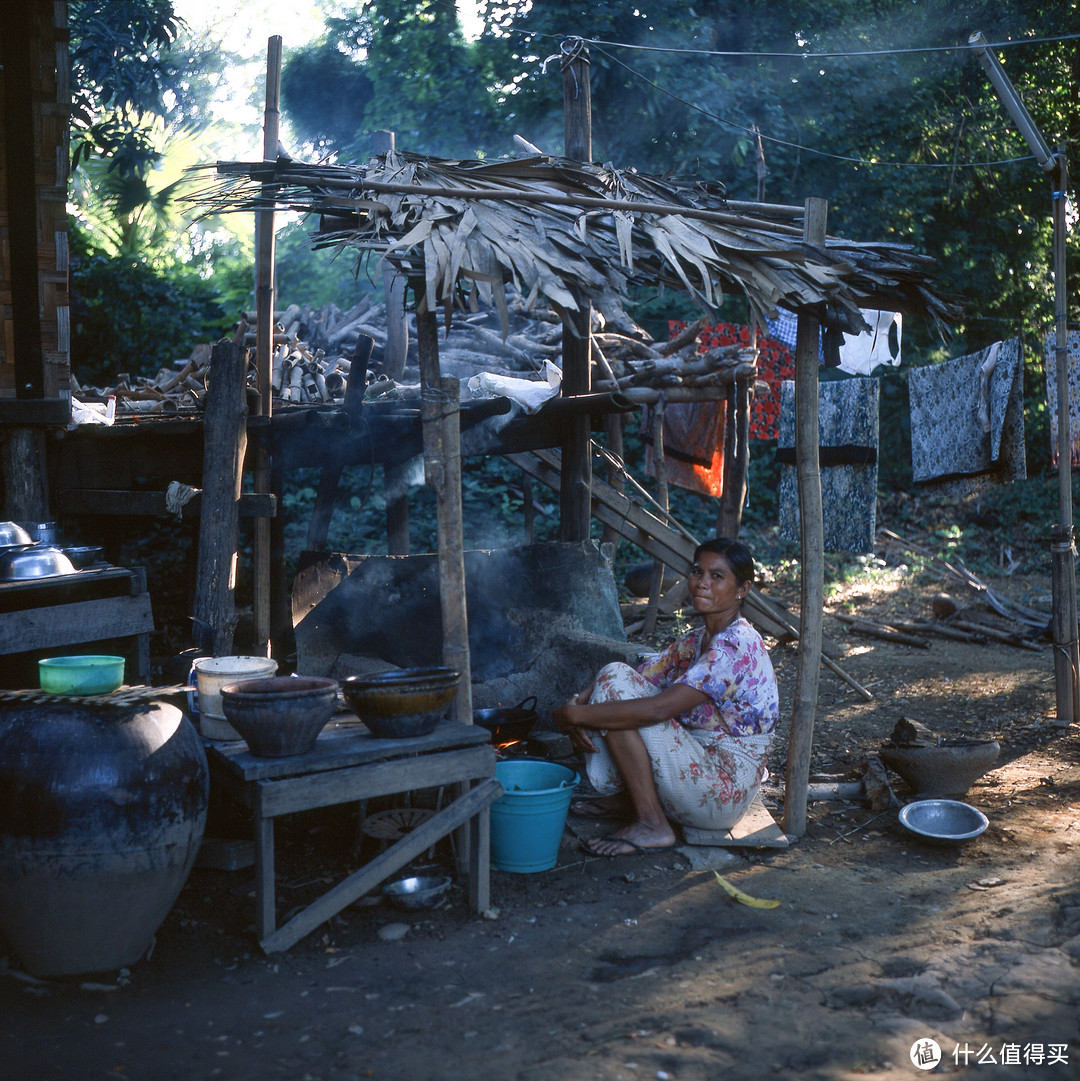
(734, 671)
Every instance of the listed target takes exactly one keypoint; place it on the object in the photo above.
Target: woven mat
(122, 696)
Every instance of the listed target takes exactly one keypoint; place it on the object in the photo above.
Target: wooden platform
(757, 829)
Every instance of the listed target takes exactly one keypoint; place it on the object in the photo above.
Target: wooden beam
(114, 501)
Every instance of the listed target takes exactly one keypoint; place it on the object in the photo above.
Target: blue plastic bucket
(527, 820)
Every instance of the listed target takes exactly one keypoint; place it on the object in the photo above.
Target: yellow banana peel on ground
(744, 898)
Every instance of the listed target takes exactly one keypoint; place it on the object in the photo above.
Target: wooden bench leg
(265, 903)
(480, 861)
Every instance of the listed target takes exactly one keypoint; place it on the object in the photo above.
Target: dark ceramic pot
(402, 703)
(102, 811)
(282, 715)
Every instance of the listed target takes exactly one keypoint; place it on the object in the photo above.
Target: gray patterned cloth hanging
(967, 420)
(848, 445)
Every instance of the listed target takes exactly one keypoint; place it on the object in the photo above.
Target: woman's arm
(630, 713)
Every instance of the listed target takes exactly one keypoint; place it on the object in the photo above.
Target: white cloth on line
(862, 353)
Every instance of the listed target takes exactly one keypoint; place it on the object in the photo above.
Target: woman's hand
(569, 718)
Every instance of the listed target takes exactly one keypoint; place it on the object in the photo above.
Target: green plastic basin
(90, 674)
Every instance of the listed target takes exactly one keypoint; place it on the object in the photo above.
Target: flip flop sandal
(633, 849)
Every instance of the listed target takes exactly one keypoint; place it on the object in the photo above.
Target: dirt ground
(641, 967)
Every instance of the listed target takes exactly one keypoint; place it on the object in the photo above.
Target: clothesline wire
(809, 149)
(837, 54)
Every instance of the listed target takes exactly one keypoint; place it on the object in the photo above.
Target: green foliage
(325, 93)
(398, 65)
(129, 317)
(123, 74)
(315, 276)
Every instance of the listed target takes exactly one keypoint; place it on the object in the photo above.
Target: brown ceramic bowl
(401, 703)
(282, 715)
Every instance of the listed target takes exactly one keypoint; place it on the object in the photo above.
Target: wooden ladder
(673, 547)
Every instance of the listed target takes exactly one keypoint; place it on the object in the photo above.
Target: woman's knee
(615, 669)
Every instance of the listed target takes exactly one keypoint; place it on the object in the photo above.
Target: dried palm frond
(573, 233)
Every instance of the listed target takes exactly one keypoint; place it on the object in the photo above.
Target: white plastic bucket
(213, 673)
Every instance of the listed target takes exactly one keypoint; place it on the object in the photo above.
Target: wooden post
(330, 474)
(264, 334)
(1063, 547)
(439, 410)
(811, 548)
(396, 350)
(396, 489)
(224, 444)
(575, 491)
(656, 582)
(24, 472)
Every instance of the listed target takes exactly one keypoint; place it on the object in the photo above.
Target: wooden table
(347, 765)
(39, 616)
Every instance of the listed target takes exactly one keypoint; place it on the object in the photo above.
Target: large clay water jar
(102, 811)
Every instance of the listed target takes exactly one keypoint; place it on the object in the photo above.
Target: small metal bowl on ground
(33, 561)
(420, 892)
(282, 715)
(401, 703)
(943, 821)
(88, 674)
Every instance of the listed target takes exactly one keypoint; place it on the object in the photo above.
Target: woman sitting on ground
(684, 738)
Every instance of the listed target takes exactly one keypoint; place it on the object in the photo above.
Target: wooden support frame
(349, 766)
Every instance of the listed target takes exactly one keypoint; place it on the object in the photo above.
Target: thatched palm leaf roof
(573, 232)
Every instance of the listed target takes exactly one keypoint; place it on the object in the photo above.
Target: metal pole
(1062, 546)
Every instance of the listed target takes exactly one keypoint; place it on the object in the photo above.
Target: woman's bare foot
(635, 838)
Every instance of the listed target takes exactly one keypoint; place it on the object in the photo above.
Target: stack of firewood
(313, 350)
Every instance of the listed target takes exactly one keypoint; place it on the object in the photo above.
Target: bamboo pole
(613, 429)
(575, 507)
(811, 548)
(656, 582)
(264, 330)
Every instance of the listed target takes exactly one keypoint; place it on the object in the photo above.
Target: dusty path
(642, 968)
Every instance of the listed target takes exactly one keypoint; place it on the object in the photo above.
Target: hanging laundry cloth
(848, 446)
(1072, 361)
(784, 328)
(775, 363)
(967, 420)
(862, 353)
(693, 445)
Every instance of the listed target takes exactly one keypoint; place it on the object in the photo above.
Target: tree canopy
(882, 109)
